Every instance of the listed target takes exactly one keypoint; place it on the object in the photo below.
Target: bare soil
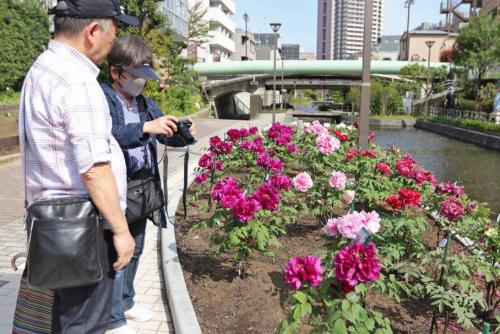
(256, 302)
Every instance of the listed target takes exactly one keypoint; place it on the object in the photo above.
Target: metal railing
(456, 113)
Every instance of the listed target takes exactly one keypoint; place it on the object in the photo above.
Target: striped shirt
(137, 155)
(68, 126)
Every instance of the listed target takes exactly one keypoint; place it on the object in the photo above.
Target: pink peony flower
(371, 221)
(371, 136)
(338, 180)
(452, 209)
(383, 168)
(267, 196)
(350, 224)
(327, 144)
(331, 229)
(318, 129)
(201, 178)
(245, 208)
(302, 182)
(356, 264)
(303, 269)
(348, 197)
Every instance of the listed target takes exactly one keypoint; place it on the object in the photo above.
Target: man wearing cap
(137, 125)
(70, 151)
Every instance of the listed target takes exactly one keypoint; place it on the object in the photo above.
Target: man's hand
(192, 128)
(164, 125)
(124, 246)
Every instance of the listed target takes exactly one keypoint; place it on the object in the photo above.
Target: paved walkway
(149, 280)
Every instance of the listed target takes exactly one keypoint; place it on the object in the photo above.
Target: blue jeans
(124, 292)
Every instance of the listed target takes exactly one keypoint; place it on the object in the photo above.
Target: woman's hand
(164, 125)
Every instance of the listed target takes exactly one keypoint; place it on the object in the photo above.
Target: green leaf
(339, 327)
(345, 305)
(300, 297)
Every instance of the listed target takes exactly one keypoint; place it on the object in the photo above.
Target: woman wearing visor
(137, 124)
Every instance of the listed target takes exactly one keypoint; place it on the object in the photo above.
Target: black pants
(86, 310)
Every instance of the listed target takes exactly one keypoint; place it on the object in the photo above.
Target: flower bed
(310, 234)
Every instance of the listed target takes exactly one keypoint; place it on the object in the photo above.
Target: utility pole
(275, 27)
(364, 112)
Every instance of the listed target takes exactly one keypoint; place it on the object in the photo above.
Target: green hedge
(472, 124)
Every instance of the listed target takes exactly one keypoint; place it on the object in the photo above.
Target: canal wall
(470, 136)
(393, 123)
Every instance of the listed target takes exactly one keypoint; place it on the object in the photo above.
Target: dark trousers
(86, 310)
(124, 292)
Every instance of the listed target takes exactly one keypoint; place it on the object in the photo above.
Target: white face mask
(132, 87)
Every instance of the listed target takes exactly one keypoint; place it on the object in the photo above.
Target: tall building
(341, 27)
(221, 45)
(290, 51)
(265, 46)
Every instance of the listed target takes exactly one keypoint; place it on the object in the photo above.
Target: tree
(478, 49)
(198, 27)
(24, 33)
(337, 95)
(415, 77)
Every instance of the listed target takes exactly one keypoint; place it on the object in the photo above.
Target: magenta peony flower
(206, 160)
(327, 144)
(450, 188)
(246, 145)
(245, 208)
(292, 148)
(383, 168)
(338, 180)
(303, 269)
(452, 209)
(267, 196)
(405, 167)
(302, 182)
(253, 130)
(230, 196)
(280, 182)
(214, 141)
(234, 135)
(201, 178)
(356, 264)
(471, 207)
(219, 188)
(331, 229)
(244, 132)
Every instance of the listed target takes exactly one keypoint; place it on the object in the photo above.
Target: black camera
(183, 131)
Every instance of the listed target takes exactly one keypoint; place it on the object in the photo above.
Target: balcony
(215, 14)
(222, 41)
(229, 4)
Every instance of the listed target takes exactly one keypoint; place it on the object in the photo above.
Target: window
(325, 7)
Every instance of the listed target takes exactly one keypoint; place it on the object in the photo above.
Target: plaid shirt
(68, 125)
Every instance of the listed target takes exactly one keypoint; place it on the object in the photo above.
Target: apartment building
(244, 45)
(418, 50)
(177, 14)
(221, 46)
(341, 27)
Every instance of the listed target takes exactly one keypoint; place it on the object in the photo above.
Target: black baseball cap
(92, 9)
(144, 71)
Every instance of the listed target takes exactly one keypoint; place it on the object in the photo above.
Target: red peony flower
(341, 136)
(234, 135)
(383, 168)
(405, 167)
(394, 202)
(349, 155)
(280, 182)
(369, 153)
(409, 197)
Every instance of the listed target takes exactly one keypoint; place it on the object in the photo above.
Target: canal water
(449, 159)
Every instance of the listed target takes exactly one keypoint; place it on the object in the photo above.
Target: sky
(298, 18)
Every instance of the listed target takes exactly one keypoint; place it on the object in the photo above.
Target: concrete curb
(181, 309)
(10, 157)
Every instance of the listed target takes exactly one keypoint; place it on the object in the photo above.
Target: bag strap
(25, 143)
(185, 183)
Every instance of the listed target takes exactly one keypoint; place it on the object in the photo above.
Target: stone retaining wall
(470, 136)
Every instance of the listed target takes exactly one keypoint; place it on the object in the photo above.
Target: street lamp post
(246, 18)
(408, 4)
(364, 110)
(429, 45)
(282, 85)
(275, 27)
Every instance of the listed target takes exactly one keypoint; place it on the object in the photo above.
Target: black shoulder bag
(65, 240)
(144, 194)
